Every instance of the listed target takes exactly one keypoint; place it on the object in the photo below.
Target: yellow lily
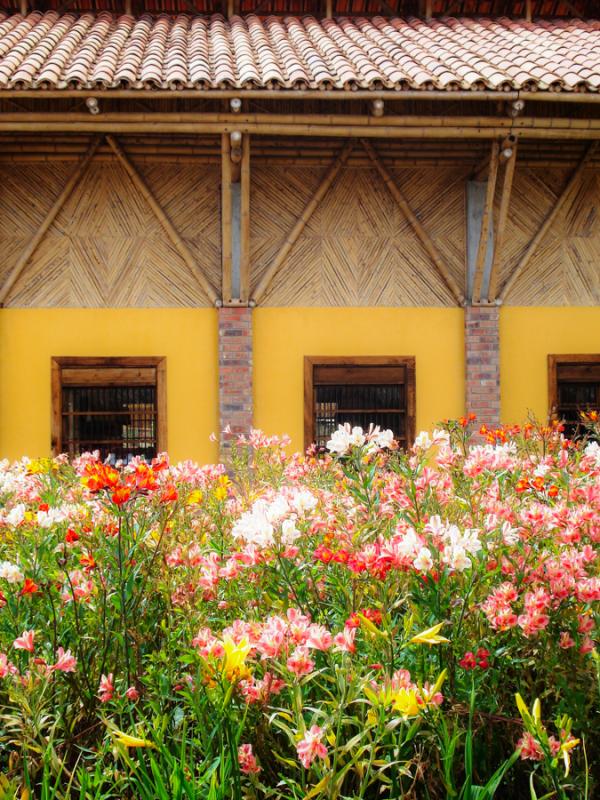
(429, 636)
(131, 741)
(565, 749)
(405, 701)
(195, 497)
(234, 662)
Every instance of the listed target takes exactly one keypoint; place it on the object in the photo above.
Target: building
(291, 213)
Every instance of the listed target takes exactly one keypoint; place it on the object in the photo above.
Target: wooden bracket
(548, 221)
(49, 219)
(411, 217)
(309, 210)
(166, 223)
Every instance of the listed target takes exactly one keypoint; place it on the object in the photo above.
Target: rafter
(507, 182)
(488, 209)
(159, 213)
(309, 210)
(414, 222)
(35, 241)
(548, 221)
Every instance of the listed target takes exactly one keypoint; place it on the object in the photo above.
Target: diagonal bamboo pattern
(548, 221)
(414, 222)
(34, 243)
(309, 210)
(170, 230)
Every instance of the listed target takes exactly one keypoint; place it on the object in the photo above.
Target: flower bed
(366, 624)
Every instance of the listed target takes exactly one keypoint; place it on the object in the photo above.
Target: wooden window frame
(310, 362)
(556, 361)
(135, 369)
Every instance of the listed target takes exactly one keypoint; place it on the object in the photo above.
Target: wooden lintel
(486, 221)
(548, 221)
(34, 243)
(166, 223)
(307, 213)
(507, 183)
(411, 217)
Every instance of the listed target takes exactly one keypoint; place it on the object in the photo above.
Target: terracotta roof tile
(49, 50)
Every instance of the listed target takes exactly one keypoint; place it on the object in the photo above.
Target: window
(114, 405)
(574, 386)
(360, 391)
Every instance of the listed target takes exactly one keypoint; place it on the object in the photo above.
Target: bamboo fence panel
(358, 248)
(106, 248)
(564, 268)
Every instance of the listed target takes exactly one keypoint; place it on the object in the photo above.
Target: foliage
(350, 625)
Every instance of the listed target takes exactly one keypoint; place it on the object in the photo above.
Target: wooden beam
(414, 222)
(166, 223)
(245, 222)
(309, 210)
(226, 179)
(548, 221)
(48, 220)
(311, 125)
(507, 182)
(488, 211)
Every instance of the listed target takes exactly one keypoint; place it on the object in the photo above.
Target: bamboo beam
(414, 222)
(548, 221)
(309, 210)
(488, 210)
(399, 95)
(237, 121)
(245, 222)
(34, 243)
(507, 182)
(226, 179)
(169, 229)
(471, 130)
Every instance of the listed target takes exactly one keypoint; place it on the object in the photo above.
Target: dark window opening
(359, 391)
(574, 384)
(115, 406)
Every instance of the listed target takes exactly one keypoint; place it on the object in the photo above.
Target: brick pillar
(482, 359)
(235, 370)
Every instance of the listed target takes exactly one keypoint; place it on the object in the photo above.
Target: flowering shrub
(359, 625)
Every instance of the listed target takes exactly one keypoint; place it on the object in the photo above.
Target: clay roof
(89, 51)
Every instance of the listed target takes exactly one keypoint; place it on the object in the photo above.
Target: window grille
(574, 383)
(359, 391)
(115, 406)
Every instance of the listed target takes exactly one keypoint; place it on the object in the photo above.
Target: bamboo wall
(107, 249)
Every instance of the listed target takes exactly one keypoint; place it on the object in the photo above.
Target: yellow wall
(527, 336)
(187, 337)
(283, 336)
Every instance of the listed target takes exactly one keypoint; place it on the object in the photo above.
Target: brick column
(235, 370)
(482, 359)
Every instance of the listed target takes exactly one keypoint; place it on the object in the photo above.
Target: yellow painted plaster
(283, 336)
(527, 336)
(187, 337)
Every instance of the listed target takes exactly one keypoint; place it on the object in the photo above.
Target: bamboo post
(23, 8)
(486, 221)
(415, 224)
(173, 235)
(226, 178)
(509, 173)
(245, 222)
(548, 221)
(309, 210)
(48, 220)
